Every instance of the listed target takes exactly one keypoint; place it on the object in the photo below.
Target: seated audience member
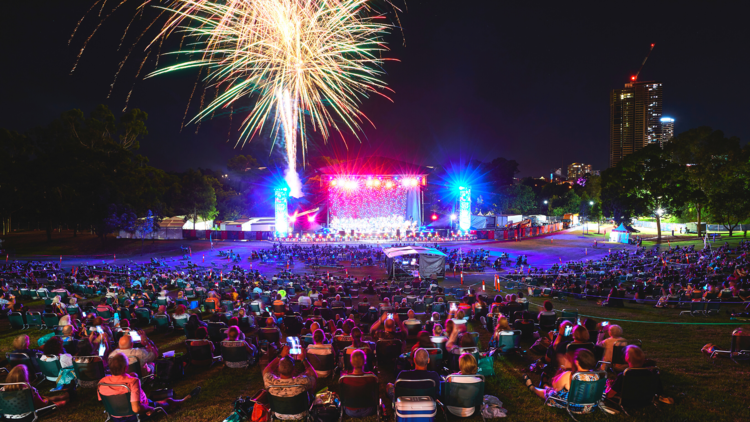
(85, 353)
(213, 299)
(459, 340)
(635, 358)
(615, 339)
(54, 351)
(140, 404)
(467, 365)
(583, 361)
(356, 379)
(547, 311)
(388, 330)
(21, 344)
(502, 327)
(201, 339)
(320, 348)
(233, 334)
(20, 374)
(103, 307)
(411, 320)
(145, 355)
(420, 372)
(279, 377)
(180, 313)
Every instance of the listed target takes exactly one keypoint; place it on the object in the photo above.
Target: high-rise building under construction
(634, 118)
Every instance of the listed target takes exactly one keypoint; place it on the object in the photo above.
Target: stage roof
(375, 166)
(411, 250)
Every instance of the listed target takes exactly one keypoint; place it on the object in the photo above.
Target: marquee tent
(619, 235)
(431, 260)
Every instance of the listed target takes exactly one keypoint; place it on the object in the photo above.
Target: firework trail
(304, 62)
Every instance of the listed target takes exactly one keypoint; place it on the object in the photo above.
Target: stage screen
(374, 205)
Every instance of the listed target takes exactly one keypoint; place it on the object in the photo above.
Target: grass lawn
(702, 390)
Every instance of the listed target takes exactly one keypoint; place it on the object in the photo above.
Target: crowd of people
(345, 322)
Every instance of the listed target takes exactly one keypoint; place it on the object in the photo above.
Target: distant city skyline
(635, 118)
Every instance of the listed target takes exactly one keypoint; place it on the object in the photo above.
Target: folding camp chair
(118, 405)
(696, 308)
(360, 395)
(20, 402)
(89, 373)
(464, 395)
(583, 395)
(640, 388)
(295, 405)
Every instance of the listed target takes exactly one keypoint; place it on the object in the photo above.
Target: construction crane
(635, 77)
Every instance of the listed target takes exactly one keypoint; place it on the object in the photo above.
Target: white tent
(619, 235)
(411, 250)
(431, 260)
(200, 225)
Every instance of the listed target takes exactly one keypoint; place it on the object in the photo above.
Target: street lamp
(546, 213)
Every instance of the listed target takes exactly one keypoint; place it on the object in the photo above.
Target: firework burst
(307, 64)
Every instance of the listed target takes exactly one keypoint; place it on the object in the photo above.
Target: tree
(241, 169)
(729, 189)
(198, 198)
(702, 151)
(146, 226)
(120, 217)
(516, 199)
(501, 172)
(644, 183)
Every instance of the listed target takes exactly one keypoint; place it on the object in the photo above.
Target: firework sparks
(303, 61)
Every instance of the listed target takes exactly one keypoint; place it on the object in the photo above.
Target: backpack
(326, 407)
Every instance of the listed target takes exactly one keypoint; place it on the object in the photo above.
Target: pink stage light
(311, 219)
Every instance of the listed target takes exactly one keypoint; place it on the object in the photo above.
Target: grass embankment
(702, 390)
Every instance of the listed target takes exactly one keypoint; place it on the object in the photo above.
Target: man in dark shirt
(421, 361)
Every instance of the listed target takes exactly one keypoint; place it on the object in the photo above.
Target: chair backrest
(618, 355)
(388, 350)
(322, 362)
(413, 329)
(16, 320)
(16, 402)
(573, 347)
(270, 334)
(50, 320)
(117, 405)
(569, 313)
(134, 366)
(161, 321)
(294, 405)
(89, 371)
(214, 331)
(50, 368)
(359, 395)
(584, 392)
(639, 386)
(547, 321)
(404, 387)
(180, 322)
(740, 343)
(509, 341)
(465, 395)
(436, 359)
(697, 306)
(34, 319)
(234, 351)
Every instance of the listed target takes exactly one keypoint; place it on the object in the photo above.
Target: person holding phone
(280, 381)
(146, 355)
(388, 330)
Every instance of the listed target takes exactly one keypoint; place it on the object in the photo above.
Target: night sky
(479, 79)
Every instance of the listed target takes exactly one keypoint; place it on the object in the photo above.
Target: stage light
(389, 184)
(464, 202)
(282, 213)
(311, 219)
(453, 217)
(292, 218)
(334, 182)
(434, 217)
(369, 182)
(377, 182)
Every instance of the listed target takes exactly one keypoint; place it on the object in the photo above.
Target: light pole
(546, 213)
(591, 204)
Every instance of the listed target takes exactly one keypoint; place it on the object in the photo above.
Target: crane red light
(632, 78)
(434, 217)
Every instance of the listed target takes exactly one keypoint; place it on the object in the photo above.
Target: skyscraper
(634, 118)
(667, 129)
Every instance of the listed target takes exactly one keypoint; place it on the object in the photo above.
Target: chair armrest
(50, 407)
(605, 363)
(160, 409)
